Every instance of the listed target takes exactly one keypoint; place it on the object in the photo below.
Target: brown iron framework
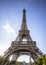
(19, 47)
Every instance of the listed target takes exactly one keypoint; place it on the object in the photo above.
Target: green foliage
(42, 61)
(17, 63)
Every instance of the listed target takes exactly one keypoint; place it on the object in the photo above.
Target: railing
(23, 43)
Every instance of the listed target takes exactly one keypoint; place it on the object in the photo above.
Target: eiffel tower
(23, 44)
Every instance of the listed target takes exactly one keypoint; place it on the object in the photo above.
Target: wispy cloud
(9, 29)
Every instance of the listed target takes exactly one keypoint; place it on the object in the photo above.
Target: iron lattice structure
(20, 47)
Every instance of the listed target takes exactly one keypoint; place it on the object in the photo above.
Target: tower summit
(24, 15)
(24, 24)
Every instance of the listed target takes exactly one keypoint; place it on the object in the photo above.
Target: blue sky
(11, 19)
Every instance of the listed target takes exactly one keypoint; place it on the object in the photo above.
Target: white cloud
(9, 29)
(24, 58)
(3, 47)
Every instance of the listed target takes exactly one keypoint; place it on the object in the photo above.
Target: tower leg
(14, 58)
(30, 60)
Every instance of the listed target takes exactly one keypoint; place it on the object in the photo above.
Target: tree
(42, 61)
(39, 61)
